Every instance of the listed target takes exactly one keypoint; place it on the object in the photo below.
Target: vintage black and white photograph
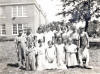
(49, 36)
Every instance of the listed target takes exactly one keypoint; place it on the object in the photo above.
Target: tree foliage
(82, 9)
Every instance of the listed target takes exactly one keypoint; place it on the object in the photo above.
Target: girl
(51, 56)
(41, 56)
(71, 50)
(60, 54)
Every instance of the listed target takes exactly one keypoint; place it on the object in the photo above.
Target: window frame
(23, 13)
(3, 29)
(16, 29)
(24, 28)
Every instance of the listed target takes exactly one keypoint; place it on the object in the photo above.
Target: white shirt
(39, 36)
(60, 49)
(51, 52)
(48, 36)
(71, 48)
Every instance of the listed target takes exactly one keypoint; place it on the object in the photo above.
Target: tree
(82, 10)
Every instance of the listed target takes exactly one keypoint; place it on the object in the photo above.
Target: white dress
(51, 58)
(60, 56)
(71, 55)
(41, 58)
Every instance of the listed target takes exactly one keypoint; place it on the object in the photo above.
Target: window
(14, 28)
(25, 26)
(2, 12)
(18, 27)
(18, 11)
(3, 30)
(14, 11)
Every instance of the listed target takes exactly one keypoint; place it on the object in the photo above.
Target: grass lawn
(8, 56)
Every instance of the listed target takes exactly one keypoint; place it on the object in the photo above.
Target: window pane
(25, 27)
(1, 11)
(14, 11)
(19, 10)
(19, 27)
(14, 28)
(3, 29)
(24, 11)
(3, 32)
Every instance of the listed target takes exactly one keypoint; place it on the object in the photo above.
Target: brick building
(19, 14)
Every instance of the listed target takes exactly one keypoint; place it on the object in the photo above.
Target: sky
(50, 8)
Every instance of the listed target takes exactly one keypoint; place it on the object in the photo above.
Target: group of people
(53, 47)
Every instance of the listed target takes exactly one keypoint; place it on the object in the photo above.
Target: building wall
(34, 16)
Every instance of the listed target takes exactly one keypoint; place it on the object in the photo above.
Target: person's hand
(17, 51)
(87, 46)
(27, 52)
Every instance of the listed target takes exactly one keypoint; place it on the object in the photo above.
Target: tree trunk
(86, 26)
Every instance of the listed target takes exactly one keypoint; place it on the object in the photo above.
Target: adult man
(21, 47)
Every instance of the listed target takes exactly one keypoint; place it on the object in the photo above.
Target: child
(30, 52)
(41, 56)
(51, 56)
(84, 58)
(60, 54)
(71, 50)
(84, 51)
(31, 58)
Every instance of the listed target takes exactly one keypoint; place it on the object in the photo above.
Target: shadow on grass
(13, 65)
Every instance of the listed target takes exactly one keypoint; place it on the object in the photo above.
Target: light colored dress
(41, 58)
(71, 55)
(51, 58)
(60, 56)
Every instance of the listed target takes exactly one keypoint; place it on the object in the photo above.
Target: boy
(83, 50)
(30, 49)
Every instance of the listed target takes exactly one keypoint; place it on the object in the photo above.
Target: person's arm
(56, 50)
(55, 53)
(78, 41)
(87, 39)
(46, 53)
(16, 44)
